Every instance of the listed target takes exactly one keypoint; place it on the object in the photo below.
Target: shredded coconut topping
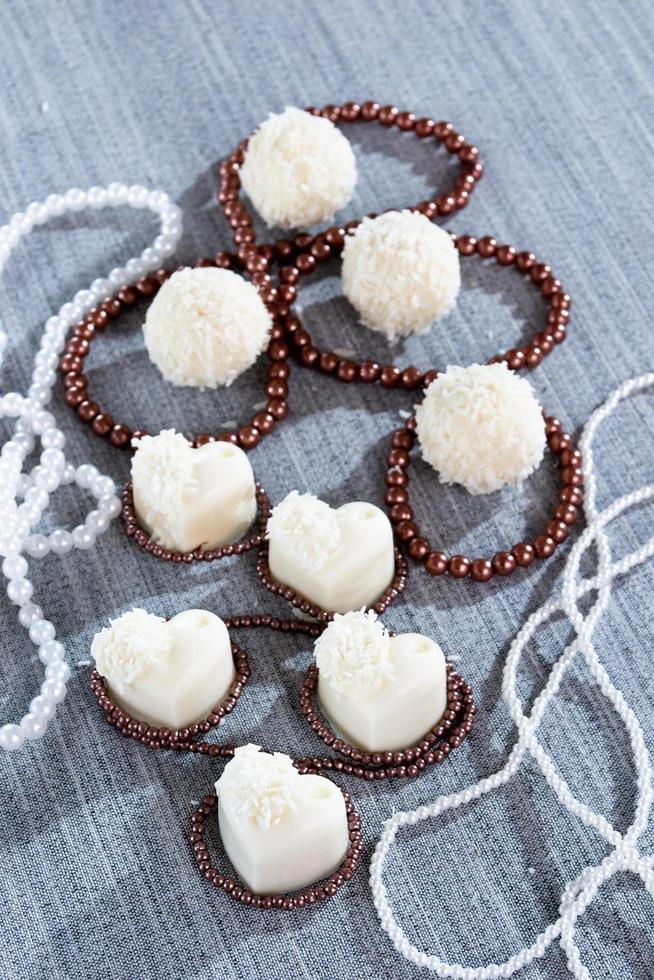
(123, 650)
(163, 470)
(400, 272)
(205, 327)
(309, 526)
(481, 426)
(298, 169)
(354, 654)
(263, 786)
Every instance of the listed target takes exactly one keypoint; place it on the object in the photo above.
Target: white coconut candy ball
(298, 169)
(481, 426)
(205, 327)
(400, 272)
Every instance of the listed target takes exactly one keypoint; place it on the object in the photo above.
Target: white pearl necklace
(624, 855)
(53, 470)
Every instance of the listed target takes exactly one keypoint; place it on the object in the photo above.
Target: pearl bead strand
(624, 854)
(24, 497)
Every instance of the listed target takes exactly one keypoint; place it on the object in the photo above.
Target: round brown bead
(481, 570)
(504, 563)
(458, 566)
(544, 546)
(524, 554)
(436, 563)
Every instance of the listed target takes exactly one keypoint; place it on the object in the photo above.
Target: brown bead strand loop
(503, 563)
(447, 734)
(470, 172)
(186, 740)
(296, 900)
(529, 356)
(253, 539)
(389, 595)
(183, 739)
(80, 400)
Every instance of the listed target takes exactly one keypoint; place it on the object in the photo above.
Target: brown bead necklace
(502, 563)
(443, 133)
(390, 376)
(296, 900)
(252, 539)
(308, 608)
(103, 425)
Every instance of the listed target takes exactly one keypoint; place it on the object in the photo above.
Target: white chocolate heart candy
(281, 830)
(188, 498)
(339, 559)
(171, 673)
(382, 693)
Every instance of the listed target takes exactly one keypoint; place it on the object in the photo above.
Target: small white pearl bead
(112, 507)
(41, 631)
(85, 475)
(61, 542)
(54, 691)
(42, 707)
(20, 591)
(102, 486)
(83, 537)
(51, 652)
(37, 546)
(15, 567)
(58, 672)
(29, 613)
(68, 475)
(11, 737)
(32, 726)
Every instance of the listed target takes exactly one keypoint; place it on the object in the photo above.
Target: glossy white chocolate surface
(216, 506)
(354, 575)
(183, 686)
(305, 845)
(400, 711)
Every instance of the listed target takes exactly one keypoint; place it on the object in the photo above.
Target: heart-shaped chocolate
(340, 559)
(188, 498)
(169, 674)
(381, 693)
(281, 830)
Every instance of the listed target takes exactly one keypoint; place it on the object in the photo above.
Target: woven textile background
(96, 876)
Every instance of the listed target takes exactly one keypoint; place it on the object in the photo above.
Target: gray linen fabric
(96, 875)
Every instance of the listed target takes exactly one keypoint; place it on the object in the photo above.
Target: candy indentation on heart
(381, 693)
(188, 498)
(281, 830)
(171, 673)
(340, 559)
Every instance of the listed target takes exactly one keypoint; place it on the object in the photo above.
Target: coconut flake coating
(264, 785)
(309, 525)
(132, 642)
(481, 426)
(205, 327)
(353, 654)
(298, 169)
(400, 272)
